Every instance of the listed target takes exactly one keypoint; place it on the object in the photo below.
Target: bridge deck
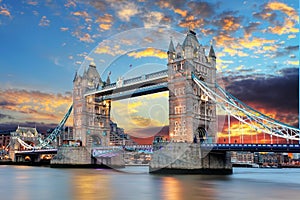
(282, 148)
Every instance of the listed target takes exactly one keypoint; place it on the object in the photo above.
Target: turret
(190, 44)
(212, 56)
(171, 51)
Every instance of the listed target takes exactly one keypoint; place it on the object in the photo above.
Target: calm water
(41, 183)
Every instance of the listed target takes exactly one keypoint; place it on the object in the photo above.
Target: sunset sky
(43, 43)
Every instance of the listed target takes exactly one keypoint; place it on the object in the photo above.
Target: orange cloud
(183, 13)
(126, 10)
(287, 27)
(110, 50)
(289, 11)
(86, 38)
(293, 62)
(4, 11)
(229, 24)
(81, 13)
(106, 18)
(34, 106)
(105, 26)
(149, 52)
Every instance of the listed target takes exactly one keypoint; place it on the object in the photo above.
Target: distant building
(117, 136)
(242, 157)
(28, 134)
(4, 139)
(67, 136)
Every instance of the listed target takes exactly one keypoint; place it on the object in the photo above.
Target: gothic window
(97, 110)
(101, 124)
(78, 122)
(176, 110)
(175, 67)
(91, 121)
(179, 55)
(181, 66)
(175, 91)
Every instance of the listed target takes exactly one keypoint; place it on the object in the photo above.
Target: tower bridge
(194, 97)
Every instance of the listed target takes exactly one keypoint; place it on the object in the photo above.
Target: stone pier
(186, 158)
(81, 157)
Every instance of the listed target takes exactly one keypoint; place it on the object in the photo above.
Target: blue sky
(43, 44)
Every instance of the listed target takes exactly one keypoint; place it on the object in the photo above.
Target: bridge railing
(113, 85)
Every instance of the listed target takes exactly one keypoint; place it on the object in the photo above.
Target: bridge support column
(185, 158)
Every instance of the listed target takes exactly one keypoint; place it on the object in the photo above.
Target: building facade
(192, 115)
(91, 118)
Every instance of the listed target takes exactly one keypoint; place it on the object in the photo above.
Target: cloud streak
(34, 105)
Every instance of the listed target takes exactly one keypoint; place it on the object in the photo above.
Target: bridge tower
(192, 116)
(91, 118)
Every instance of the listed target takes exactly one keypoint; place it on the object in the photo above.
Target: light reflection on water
(30, 183)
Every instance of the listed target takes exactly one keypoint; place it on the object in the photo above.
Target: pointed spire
(212, 52)
(108, 80)
(190, 39)
(171, 46)
(75, 77)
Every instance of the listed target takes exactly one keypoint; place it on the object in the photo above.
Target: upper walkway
(137, 86)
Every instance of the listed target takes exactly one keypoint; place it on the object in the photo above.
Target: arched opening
(27, 158)
(201, 133)
(96, 140)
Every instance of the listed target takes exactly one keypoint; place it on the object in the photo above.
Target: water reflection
(90, 185)
(36, 183)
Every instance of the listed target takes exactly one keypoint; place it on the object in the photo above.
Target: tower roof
(212, 52)
(171, 46)
(190, 39)
(92, 72)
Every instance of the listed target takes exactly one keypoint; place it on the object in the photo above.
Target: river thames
(42, 183)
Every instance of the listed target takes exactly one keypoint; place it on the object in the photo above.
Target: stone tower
(192, 115)
(91, 118)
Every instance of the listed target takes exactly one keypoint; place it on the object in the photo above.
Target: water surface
(41, 183)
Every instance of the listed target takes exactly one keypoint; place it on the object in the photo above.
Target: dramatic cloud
(183, 13)
(34, 105)
(149, 52)
(202, 9)
(283, 25)
(252, 27)
(2, 116)
(192, 22)
(152, 19)
(141, 114)
(277, 94)
(228, 23)
(289, 11)
(125, 10)
(286, 51)
(173, 4)
(105, 21)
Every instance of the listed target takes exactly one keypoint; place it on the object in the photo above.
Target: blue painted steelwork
(248, 115)
(282, 148)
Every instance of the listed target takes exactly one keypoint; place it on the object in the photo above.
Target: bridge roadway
(112, 150)
(281, 148)
(37, 151)
(137, 86)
